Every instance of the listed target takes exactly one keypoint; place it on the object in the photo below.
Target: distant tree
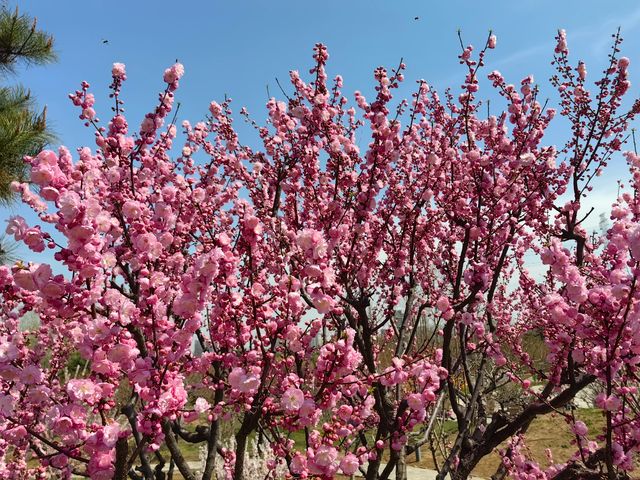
(23, 128)
(603, 224)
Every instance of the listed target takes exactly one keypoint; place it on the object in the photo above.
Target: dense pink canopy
(360, 273)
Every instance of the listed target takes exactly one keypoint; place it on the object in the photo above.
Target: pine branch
(7, 251)
(23, 131)
(21, 41)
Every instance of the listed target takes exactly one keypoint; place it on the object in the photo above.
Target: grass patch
(546, 432)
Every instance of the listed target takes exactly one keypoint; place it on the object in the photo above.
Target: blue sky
(238, 47)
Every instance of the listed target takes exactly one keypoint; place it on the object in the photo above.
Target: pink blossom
(634, 242)
(30, 375)
(215, 108)
(324, 461)
(527, 158)
(442, 304)
(580, 428)
(24, 279)
(33, 239)
(201, 405)
(395, 374)
(623, 63)
(149, 244)
(111, 434)
(610, 403)
(123, 354)
(69, 204)
(415, 401)
(132, 209)
(582, 70)
(173, 73)
(349, 464)
(323, 303)
(243, 382)
(33, 277)
(299, 464)
(14, 435)
(308, 408)
(561, 46)
(292, 399)
(344, 412)
(83, 390)
(16, 227)
(6, 404)
(312, 243)
(118, 71)
(252, 226)
(42, 175)
(59, 461)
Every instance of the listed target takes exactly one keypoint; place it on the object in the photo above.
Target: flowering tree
(342, 298)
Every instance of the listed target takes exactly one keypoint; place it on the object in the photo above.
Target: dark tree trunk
(241, 448)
